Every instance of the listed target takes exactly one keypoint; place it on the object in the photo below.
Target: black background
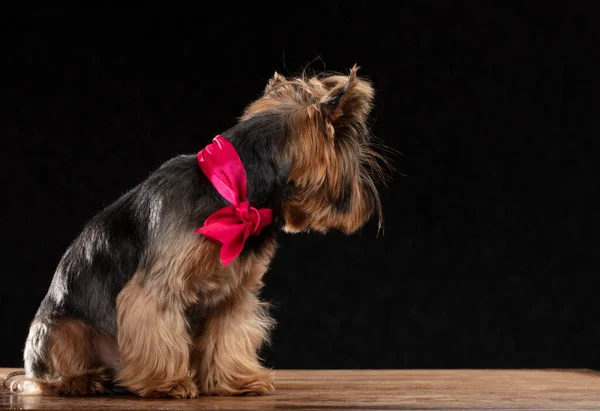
(489, 257)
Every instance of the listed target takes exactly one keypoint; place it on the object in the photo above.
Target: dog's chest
(244, 275)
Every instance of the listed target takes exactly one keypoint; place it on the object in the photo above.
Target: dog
(159, 293)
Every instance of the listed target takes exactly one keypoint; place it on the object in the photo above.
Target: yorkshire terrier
(159, 294)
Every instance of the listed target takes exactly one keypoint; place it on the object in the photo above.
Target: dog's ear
(349, 96)
(273, 81)
(332, 104)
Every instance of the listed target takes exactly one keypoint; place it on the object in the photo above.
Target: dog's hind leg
(60, 360)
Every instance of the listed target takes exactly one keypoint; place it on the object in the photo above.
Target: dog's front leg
(227, 350)
(153, 340)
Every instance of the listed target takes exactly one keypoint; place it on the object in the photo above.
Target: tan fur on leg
(154, 344)
(71, 365)
(227, 350)
(71, 357)
(153, 335)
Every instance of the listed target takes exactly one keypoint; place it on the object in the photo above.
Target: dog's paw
(258, 386)
(258, 383)
(185, 388)
(80, 386)
(22, 385)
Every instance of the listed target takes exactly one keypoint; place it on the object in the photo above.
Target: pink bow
(230, 226)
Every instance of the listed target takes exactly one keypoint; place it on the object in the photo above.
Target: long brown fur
(320, 165)
(158, 351)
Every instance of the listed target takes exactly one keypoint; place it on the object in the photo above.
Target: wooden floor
(371, 389)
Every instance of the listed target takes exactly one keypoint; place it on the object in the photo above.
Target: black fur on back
(114, 243)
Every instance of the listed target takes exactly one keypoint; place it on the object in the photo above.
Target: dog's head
(327, 150)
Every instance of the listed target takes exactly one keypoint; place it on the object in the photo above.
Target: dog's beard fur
(142, 303)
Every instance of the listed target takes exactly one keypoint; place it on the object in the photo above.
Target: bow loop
(230, 226)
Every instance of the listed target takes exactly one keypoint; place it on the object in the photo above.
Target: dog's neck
(257, 141)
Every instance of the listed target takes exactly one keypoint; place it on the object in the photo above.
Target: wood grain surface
(370, 389)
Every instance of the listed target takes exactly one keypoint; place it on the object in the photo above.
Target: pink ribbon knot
(230, 227)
